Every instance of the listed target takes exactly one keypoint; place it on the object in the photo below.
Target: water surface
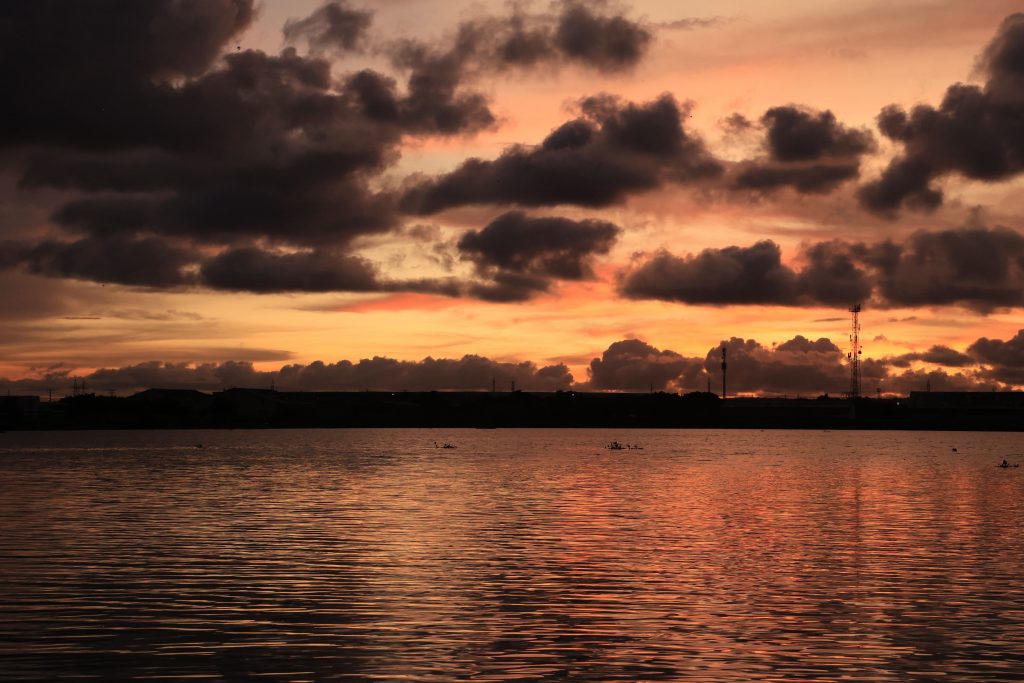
(522, 555)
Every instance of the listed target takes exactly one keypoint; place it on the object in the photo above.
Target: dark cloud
(171, 154)
(468, 373)
(1003, 58)
(748, 275)
(807, 150)
(579, 33)
(798, 366)
(438, 99)
(999, 352)
(975, 132)
(936, 355)
(1004, 360)
(256, 270)
(936, 380)
(613, 149)
(90, 72)
(832, 276)
(976, 267)
(751, 275)
(542, 246)
(435, 99)
(171, 139)
(154, 263)
(255, 146)
(736, 123)
(384, 374)
(144, 262)
(507, 287)
(799, 134)
(519, 256)
(634, 365)
(607, 43)
(335, 26)
(433, 104)
(801, 344)
(806, 179)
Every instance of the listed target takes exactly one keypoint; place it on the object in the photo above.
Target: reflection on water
(522, 555)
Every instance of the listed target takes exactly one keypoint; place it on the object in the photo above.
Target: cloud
(747, 275)
(800, 365)
(468, 373)
(800, 134)
(832, 276)
(334, 26)
(579, 33)
(634, 365)
(543, 246)
(255, 270)
(807, 150)
(507, 287)
(187, 161)
(145, 262)
(936, 355)
(255, 147)
(612, 149)
(975, 132)
(752, 274)
(936, 380)
(437, 99)
(92, 87)
(805, 179)
(519, 256)
(434, 99)
(607, 43)
(1004, 359)
(690, 23)
(977, 267)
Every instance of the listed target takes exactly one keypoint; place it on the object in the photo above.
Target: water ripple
(523, 555)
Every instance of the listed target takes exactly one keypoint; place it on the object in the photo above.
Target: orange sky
(851, 57)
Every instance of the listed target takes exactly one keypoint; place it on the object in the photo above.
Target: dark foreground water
(522, 555)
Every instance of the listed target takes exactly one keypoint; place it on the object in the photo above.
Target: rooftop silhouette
(266, 408)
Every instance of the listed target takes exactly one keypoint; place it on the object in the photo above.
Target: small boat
(1005, 465)
(445, 445)
(615, 446)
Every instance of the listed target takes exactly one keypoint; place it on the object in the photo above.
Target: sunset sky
(213, 193)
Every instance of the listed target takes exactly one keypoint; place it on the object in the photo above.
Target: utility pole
(724, 365)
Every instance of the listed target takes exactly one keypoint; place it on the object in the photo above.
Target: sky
(427, 194)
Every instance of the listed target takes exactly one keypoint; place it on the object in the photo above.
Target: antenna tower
(855, 352)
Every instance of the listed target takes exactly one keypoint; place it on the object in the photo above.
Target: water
(522, 555)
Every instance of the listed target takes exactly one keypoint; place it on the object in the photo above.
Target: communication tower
(855, 352)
